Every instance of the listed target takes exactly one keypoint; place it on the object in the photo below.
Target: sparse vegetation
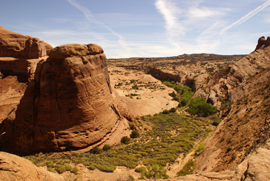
(170, 135)
(200, 147)
(152, 172)
(188, 168)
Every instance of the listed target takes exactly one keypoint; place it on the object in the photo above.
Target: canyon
(71, 99)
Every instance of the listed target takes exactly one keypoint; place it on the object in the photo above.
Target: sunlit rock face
(68, 105)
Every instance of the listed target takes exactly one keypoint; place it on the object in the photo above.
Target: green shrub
(153, 172)
(165, 112)
(200, 147)
(51, 169)
(74, 170)
(132, 126)
(106, 147)
(48, 163)
(60, 168)
(95, 150)
(125, 140)
(172, 110)
(215, 123)
(68, 167)
(135, 134)
(198, 106)
(187, 169)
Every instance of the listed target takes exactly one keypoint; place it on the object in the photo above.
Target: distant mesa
(68, 105)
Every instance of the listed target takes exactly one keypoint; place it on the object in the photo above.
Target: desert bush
(95, 150)
(125, 140)
(106, 147)
(188, 168)
(48, 163)
(60, 168)
(152, 172)
(172, 110)
(74, 170)
(165, 112)
(201, 147)
(135, 134)
(132, 126)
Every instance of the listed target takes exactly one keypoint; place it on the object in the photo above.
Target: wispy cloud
(246, 17)
(170, 11)
(90, 17)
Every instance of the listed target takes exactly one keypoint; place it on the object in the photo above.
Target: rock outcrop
(20, 46)
(19, 54)
(68, 106)
(262, 42)
(13, 167)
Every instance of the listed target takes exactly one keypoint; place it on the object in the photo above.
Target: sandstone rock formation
(68, 106)
(20, 46)
(19, 54)
(262, 42)
(16, 168)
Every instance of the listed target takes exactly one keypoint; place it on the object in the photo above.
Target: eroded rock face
(13, 167)
(19, 54)
(68, 106)
(20, 46)
(262, 42)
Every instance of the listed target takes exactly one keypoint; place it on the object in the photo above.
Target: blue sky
(143, 28)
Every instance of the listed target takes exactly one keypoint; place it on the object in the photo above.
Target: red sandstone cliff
(19, 53)
(68, 106)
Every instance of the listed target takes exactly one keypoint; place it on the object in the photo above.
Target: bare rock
(258, 166)
(68, 106)
(13, 167)
(20, 46)
(262, 42)
(19, 54)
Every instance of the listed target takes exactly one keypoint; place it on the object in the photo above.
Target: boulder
(68, 105)
(13, 167)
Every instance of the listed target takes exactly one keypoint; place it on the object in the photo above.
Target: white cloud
(90, 17)
(203, 12)
(246, 17)
(170, 11)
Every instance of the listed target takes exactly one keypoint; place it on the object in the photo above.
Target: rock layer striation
(19, 54)
(68, 105)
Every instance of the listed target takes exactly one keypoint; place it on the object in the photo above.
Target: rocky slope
(246, 87)
(68, 106)
(16, 168)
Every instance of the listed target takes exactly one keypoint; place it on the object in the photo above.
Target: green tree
(198, 106)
